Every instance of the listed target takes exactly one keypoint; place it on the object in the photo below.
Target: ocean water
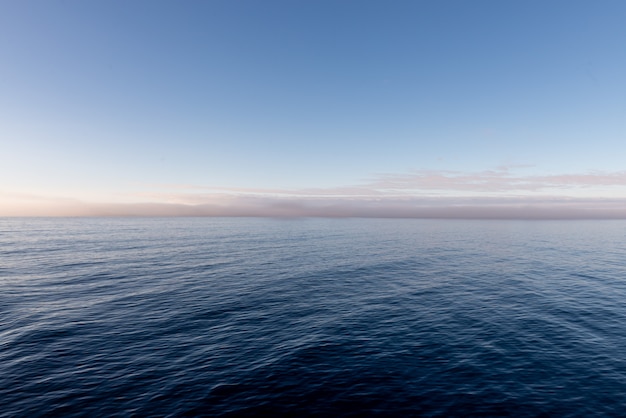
(312, 317)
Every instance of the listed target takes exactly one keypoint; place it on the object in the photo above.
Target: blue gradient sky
(206, 102)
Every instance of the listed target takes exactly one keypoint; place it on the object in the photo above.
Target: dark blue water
(232, 317)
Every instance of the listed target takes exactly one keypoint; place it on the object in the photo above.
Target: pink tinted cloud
(422, 194)
(462, 208)
(498, 181)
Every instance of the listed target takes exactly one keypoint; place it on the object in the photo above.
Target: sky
(422, 108)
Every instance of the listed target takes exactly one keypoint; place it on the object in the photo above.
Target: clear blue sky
(129, 101)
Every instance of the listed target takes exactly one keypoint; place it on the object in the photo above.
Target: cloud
(499, 182)
(461, 208)
(498, 193)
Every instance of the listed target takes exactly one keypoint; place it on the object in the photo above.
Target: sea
(185, 317)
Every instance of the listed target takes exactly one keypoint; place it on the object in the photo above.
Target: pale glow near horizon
(498, 192)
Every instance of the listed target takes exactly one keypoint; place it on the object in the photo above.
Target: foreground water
(219, 317)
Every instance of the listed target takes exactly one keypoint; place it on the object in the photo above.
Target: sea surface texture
(312, 317)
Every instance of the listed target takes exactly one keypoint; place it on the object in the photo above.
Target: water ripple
(252, 317)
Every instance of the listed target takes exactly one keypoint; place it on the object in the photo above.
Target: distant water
(312, 317)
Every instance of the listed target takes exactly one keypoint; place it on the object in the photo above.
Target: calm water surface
(318, 317)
